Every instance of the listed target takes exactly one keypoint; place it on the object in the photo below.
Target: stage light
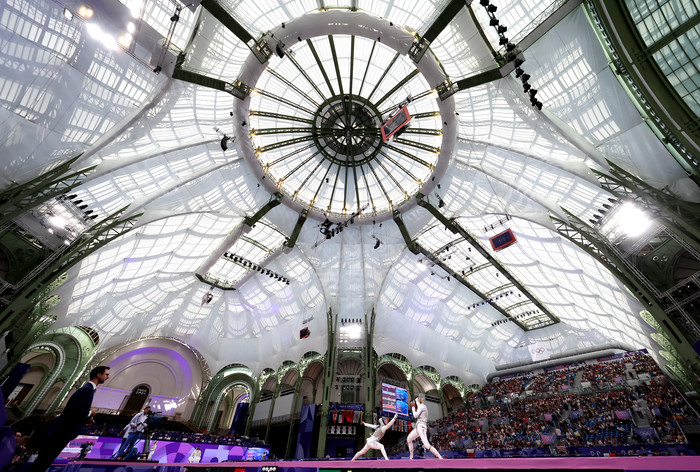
(491, 8)
(524, 78)
(533, 92)
(526, 87)
(493, 22)
(519, 62)
(510, 47)
(518, 72)
(503, 41)
(67, 14)
(484, 3)
(501, 29)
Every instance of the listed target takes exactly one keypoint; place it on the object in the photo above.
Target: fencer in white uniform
(420, 414)
(373, 440)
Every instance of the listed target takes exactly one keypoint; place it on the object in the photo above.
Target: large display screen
(104, 447)
(394, 399)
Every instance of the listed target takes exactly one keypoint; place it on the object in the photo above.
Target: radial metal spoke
(398, 164)
(379, 181)
(301, 164)
(431, 132)
(280, 116)
(352, 60)
(281, 144)
(391, 176)
(386, 71)
(369, 191)
(335, 62)
(357, 187)
(369, 61)
(303, 184)
(429, 114)
(410, 156)
(289, 84)
(323, 179)
(266, 131)
(418, 145)
(400, 84)
(335, 186)
(320, 66)
(291, 154)
(306, 76)
(284, 100)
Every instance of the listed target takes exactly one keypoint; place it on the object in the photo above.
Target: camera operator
(137, 426)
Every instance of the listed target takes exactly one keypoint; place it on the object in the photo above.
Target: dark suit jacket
(75, 414)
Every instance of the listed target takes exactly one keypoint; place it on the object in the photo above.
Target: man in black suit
(77, 413)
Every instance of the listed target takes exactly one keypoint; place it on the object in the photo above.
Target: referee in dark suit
(77, 413)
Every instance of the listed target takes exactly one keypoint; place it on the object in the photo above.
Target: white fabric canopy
(156, 144)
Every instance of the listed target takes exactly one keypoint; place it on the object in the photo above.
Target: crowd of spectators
(610, 413)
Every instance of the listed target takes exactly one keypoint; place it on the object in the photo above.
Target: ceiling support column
(682, 332)
(23, 300)
(329, 365)
(457, 229)
(682, 216)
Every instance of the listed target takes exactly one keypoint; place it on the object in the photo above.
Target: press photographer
(134, 431)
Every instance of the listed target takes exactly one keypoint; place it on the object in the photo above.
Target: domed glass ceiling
(312, 131)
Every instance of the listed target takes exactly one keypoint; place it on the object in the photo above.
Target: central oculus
(346, 130)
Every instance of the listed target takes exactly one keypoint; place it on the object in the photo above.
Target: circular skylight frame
(361, 25)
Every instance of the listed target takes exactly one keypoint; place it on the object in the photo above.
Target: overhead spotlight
(67, 14)
(71, 197)
(518, 72)
(491, 8)
(533, 92)
(510, 47)
(441, 203)
(82, 207)
(526, 87)
(278, 49)
(484, 3)
(503, 41)
(175, 18)
(224, 143)
(376, 245)
(525, 77)
(92, 217)
(501, 29)
(87, 212)
(519, 62)
(77, 201)
(494, 22)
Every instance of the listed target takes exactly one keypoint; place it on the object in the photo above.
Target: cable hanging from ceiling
(511, 55)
